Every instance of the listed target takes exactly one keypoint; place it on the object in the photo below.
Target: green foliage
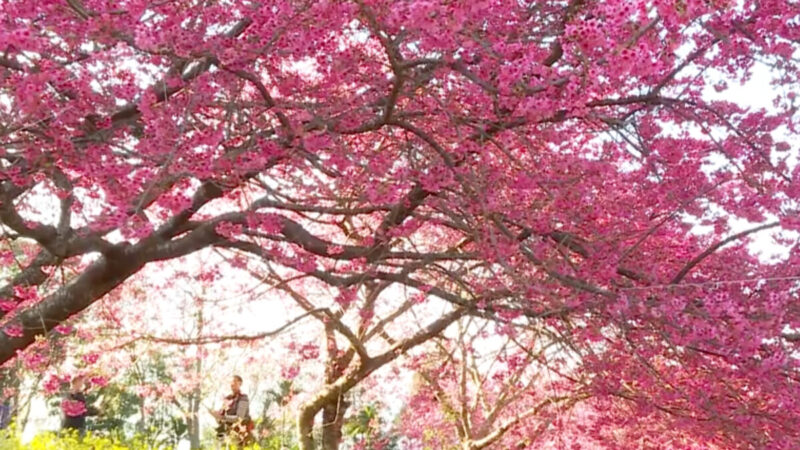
(121, 412)
(118, 405)
(282, 393)
(284, 441)
(123, 424)
(277, 432)
(365, 422)
(366, 427)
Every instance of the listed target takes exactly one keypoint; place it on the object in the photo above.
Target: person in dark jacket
(75, 408)
(234, 418)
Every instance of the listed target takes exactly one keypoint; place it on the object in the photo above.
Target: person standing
(235, 425)
(75, 408)
(6, 410)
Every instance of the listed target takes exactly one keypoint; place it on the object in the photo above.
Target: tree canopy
(575, 167)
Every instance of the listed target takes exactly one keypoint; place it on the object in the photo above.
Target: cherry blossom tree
(363, 330)
(539, 161)
(477, 389)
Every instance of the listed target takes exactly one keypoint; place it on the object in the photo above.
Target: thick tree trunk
(332, 422)
(333, 392)
(194, 422)
(326, 402)
(305, 427)
(197, 394)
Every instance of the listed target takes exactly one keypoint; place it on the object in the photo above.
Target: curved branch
(503, 429)
(203, 340)
(709, 251)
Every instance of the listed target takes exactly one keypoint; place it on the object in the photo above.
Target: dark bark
(98, 279)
